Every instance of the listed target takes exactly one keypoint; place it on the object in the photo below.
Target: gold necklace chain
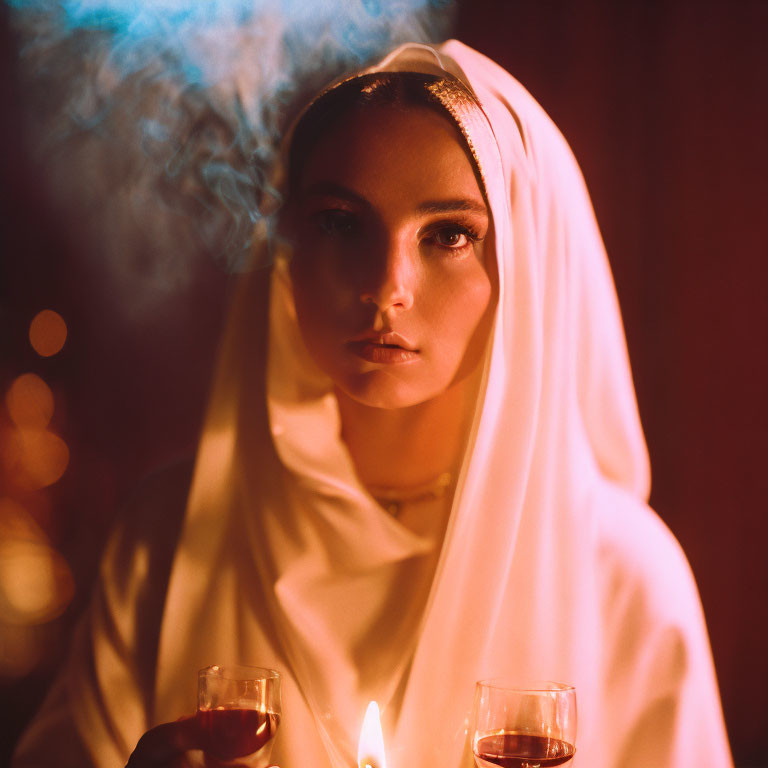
(393, 499)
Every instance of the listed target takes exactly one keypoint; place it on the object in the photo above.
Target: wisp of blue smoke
(176, 108)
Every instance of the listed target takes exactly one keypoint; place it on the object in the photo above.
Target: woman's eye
(454, 238)
(337, 223)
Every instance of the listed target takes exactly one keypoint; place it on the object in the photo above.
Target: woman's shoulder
(655, 642)
(643, 567)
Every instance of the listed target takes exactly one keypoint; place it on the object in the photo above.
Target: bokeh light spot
(17, 523)
(29, 401)
(47, 332)
(35, 458)
(36, 584)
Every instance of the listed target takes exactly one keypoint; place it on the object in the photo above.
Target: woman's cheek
(319, 295)
(465, 293)
(468, 317)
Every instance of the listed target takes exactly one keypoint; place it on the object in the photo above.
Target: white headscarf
(552, 567)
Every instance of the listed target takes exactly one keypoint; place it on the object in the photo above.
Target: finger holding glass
(238, 714)
(532, 725)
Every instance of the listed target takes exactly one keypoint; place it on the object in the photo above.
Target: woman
(440, 478)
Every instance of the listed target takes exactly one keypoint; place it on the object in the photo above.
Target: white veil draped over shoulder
(551, 567)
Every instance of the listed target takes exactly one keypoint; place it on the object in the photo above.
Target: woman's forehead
(415, 150)
(441, 94)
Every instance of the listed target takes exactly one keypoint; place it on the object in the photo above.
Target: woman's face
(393, 290)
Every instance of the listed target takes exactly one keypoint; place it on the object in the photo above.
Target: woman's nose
(390, 283)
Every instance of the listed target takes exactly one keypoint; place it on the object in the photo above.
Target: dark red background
(666, 107)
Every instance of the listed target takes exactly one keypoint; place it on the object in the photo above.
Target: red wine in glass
(523, 725)
(231, 733)
(521, 750)
(238, 712)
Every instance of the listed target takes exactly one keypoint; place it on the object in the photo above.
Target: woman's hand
(164, 745)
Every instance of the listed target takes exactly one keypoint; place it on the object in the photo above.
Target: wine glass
(529, 725)
(238, 711)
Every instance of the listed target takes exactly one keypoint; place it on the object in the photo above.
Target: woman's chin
(388, 390)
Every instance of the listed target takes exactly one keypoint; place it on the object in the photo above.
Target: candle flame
(370, 750)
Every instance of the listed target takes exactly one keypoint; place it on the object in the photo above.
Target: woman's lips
(386, 348)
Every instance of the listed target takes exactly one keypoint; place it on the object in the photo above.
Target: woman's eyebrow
(333, 189)
(446, 206)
